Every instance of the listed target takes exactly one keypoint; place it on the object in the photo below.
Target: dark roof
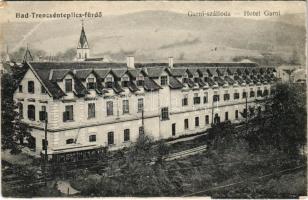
(134, 72)
(102, 73)
(83, 73)
(178, 71)
(117, 88)
(59, 74)
(132, 86)
(174, 83)
(80, 90)
(150, 85)
(229, 80)
(51, 72)
(119, 72)
(154, 71)
(221, 71)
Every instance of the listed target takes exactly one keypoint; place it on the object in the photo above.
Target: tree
(12, 128)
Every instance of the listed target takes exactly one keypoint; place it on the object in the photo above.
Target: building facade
(91, 104)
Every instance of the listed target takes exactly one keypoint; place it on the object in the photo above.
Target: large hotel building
(92, 103)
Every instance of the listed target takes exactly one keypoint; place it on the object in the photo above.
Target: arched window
(31, 87)
(31, 112)
(70, 141)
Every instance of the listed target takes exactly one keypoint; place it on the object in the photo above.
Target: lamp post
(45, 146)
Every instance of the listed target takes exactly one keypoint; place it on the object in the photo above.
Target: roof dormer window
(68, 85)
(163, 80)
(140, 80)
(109, 82)
(125, 81)
(91, 85)
(185, 78)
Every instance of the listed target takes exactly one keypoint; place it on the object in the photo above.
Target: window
(20, 88)
(259, 93)
(163, 80)
(141, 131)
(110, 138)
(109, 82)
(91, 84)
(44, 144)
(92, 138)
(244, 95)
(21, 110)
(236, 95)
(236, 114)
(140, 105)
(68, 114)
(226, 116)
(31, 87)
(125, 106)
(216, 97)
(205, 98)
(196, 121)
(70, 141)
(109, 108)
(185, 101)
(196, 79)
(259, 110)
(91, 110)
(140, 80)
(43, 90)
(125, 80)
(68, 85)
(126, 135)
(226, 97)
(43, 113)
(186, 126)
(173, 129)
(85, 55)
(207, 120)
(265, 92)
(164, 113)
(196, 99)
(31, 112)
(252, 93)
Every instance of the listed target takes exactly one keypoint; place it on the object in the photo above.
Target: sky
(236, 9)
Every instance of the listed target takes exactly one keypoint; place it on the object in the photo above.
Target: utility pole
(45, 146)
(212, 111)
(246, 105)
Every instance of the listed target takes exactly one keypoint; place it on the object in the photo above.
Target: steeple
(28, 56)
(83, 50)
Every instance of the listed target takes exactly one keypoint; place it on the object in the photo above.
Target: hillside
(158, 34)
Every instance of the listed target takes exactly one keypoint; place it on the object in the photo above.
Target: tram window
(92, 138)
(70, 141)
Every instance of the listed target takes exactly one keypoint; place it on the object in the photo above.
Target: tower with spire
(83, 49)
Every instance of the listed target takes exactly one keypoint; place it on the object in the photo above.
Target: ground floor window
(126, 135)
(186, 123)
(226, 116)
(207, 120)
(173, 129)
(196, 121)
(141, 131)
(236, 114)
(216, 119)
(110, 138)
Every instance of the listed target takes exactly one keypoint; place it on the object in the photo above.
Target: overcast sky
(117, 8)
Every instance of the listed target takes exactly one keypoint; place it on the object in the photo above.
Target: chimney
(130, 62)
(170, 60)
